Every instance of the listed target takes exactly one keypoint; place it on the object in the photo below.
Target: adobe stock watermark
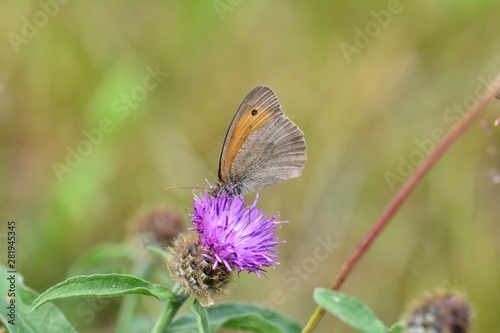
(451, 116)
(121, 107)
(372, 29)
(293, 278)
(31, 26)
(224, 6)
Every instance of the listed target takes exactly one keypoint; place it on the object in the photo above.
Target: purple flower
(237, 235)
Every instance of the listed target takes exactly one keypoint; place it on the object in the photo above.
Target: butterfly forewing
(262, 146)
(258, 108)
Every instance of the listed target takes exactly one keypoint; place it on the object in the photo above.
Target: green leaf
(239, 316)
(349, 309)
(397, 328)
(48, 320)
(101, 285)
(201, 317)
(104, 254)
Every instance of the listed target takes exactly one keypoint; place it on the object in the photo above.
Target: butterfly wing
(262, 146)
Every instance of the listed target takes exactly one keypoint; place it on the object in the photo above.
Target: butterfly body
(262, 146)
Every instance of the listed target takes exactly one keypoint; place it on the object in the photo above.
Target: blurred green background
(369, 84)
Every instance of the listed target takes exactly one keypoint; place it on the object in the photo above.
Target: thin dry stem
(405, 191)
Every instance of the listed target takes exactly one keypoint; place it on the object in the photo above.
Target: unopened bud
(440, 312)
(160, 227)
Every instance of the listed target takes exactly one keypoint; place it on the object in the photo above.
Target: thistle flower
(191, 267)
(236, 235)
(440, 312)
(229, 235)
(160, 227)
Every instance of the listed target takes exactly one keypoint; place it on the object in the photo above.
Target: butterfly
(262, 146)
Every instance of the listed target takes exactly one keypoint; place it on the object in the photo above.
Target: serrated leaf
(48, 320)
(238, 315)
(101, 285)
(349, 309)
(201, 317)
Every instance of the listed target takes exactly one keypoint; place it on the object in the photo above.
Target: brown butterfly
(262, 146)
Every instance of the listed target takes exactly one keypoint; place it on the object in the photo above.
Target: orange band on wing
(245, 126)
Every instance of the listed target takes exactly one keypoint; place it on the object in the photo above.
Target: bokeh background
(371, 85)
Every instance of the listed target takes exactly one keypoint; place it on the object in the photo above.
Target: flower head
(235, 234)
(159, 227)
(440, 312)
(192, 269)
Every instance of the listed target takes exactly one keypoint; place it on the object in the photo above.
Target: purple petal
(237, 235)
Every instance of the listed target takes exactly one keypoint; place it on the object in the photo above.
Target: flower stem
(170, 309)
(405, 191)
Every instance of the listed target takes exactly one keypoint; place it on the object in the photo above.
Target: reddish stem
(403, 194)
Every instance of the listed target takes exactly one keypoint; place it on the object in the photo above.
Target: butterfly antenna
(184, 188)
